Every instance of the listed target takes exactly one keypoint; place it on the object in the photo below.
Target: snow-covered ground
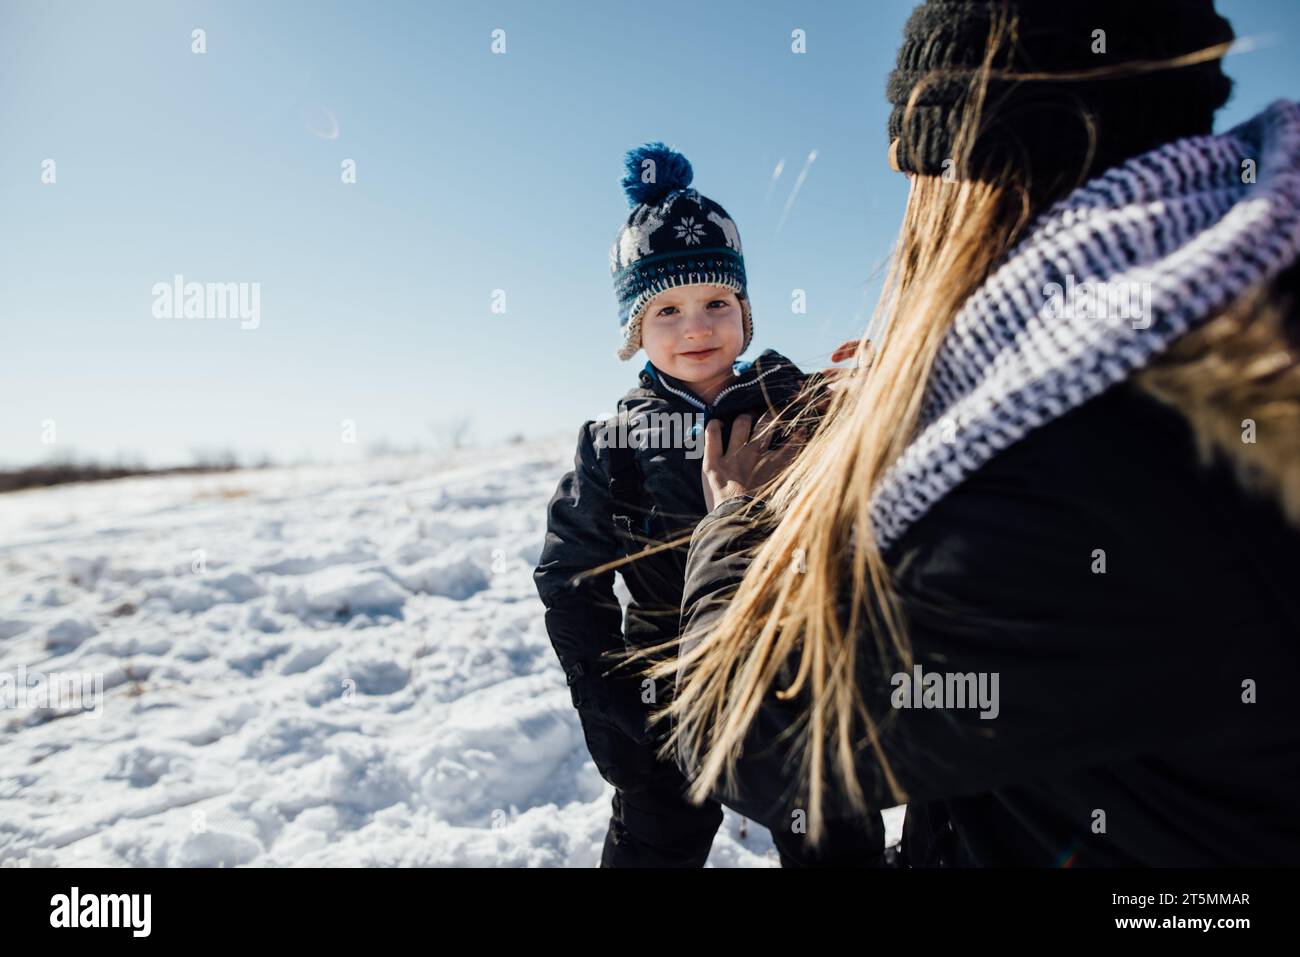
(339, 665)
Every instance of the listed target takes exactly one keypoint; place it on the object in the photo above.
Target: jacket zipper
(685, 395)
(716, 399)
(732, 388)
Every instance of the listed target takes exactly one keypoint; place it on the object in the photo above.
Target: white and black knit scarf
(1194, 223)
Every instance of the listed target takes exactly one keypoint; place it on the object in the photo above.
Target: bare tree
(450, 434)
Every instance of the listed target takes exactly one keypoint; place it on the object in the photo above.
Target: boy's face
(693, 333)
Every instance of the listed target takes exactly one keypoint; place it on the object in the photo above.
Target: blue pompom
(672, 171)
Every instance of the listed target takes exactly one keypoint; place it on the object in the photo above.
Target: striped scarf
(1178, 233)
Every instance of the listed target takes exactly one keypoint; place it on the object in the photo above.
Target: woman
(1035, 575)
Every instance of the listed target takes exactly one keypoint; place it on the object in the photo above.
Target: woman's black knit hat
(1044, 124)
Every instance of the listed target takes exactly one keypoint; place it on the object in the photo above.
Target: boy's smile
(694, 334)
(700, 353)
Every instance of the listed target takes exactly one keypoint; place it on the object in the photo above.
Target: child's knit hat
(673, 237)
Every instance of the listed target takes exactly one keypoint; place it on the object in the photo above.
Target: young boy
(680, 281)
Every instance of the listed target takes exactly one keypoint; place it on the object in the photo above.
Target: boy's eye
(669, 310)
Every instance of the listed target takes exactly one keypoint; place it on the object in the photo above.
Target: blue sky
(474, 171)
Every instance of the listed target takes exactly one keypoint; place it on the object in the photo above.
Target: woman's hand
(747, 464)
(835, 376)
(832, 379)
(844, 351)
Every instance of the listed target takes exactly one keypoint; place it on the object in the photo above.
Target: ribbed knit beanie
(1042, 125)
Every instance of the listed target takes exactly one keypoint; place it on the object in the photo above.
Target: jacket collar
(749, 373)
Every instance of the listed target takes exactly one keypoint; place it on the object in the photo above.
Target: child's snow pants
(656, 826)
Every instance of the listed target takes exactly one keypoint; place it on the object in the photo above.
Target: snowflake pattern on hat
(689, 230)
